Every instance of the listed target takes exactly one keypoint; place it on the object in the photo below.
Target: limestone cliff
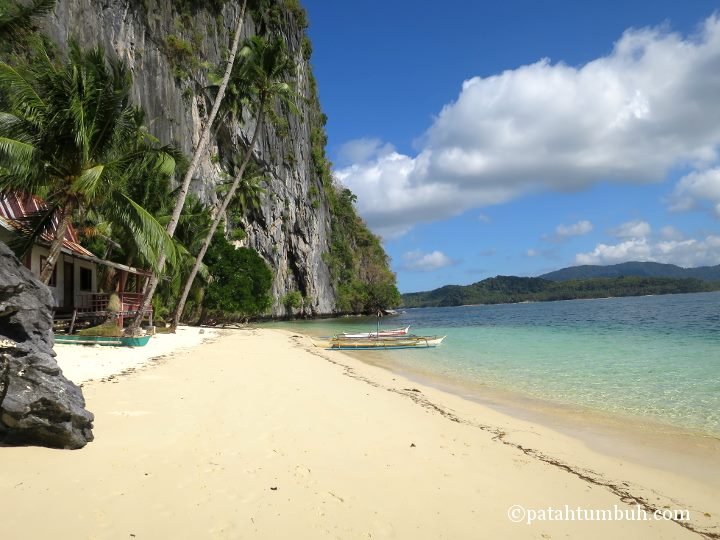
(170, 47)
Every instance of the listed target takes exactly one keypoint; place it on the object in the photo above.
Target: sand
(96, 362)
(258, 435)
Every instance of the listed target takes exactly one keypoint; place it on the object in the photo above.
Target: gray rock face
(38, 405)
(291, 230)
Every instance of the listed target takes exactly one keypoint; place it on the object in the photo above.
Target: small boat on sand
(380, 333)
(103, 340)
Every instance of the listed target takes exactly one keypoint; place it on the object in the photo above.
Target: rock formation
(291, 231)
(38, 405)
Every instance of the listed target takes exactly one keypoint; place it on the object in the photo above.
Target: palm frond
(20, 90)
(16, 22)
(89, 181)
(18, 164)
(149, 236)
(30, 229)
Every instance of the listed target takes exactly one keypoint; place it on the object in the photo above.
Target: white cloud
(426, 262)
(576, 229)
(632, 229)
(668, 232)
(484, 218)
(363, 150)
(532, 253)
(627, 117)
(698, 190)
(687, 253)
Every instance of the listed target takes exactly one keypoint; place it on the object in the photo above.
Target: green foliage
(634, 268)
(189, 7)
(297, 12)
(181, 56)
(279, 122)
(18, 22)
(240, 285)
(248, 195)
(307, 49)
(270, 16)
(511, 289)
(357, 261)
(238, 235)
(69, 136)
(292, 300)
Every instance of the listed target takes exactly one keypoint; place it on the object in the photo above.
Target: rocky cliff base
(38, 405)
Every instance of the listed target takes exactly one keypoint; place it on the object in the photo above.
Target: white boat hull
(414, 342)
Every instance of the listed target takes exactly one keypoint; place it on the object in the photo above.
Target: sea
(650, 357)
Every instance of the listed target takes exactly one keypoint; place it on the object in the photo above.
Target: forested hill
(634, 268)
(511, 289)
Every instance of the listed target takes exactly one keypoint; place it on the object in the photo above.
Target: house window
(53, 278)
(85, 279)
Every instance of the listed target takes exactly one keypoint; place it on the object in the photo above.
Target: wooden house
(74, 284)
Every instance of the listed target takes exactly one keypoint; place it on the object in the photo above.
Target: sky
(519, 137)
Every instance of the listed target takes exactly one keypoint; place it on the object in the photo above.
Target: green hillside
(511, 289)
(634, 268)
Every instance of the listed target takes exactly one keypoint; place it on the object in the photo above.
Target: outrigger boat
(380, 333)
(103, 340)
(375, 343)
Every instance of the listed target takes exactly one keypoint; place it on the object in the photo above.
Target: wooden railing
(98, 303)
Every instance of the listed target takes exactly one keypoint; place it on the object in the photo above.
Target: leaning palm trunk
(182, 193)
(64, 220)
(211, 232)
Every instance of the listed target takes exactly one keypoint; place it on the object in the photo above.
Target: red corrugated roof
(14, 206)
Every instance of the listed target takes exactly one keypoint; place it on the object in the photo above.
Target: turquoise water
(655, 356)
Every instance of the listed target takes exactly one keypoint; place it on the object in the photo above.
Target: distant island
(634, 268)
(580, 282)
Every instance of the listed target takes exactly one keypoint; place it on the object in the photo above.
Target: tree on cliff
(262, 78)
(197, 155)
(69, 136)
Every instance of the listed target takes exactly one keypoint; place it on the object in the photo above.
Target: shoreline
(610, 433)
(258, 433)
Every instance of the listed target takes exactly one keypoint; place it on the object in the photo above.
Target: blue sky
(472, 156)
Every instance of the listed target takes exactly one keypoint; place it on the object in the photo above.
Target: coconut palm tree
(197, 155)
(263, 73)
(69, 136)
(248, 194)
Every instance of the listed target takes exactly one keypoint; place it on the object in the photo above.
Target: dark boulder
(38, 405)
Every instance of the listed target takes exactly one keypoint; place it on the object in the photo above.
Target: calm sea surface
(653, 356)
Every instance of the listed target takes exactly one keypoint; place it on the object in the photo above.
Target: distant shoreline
(516, 290)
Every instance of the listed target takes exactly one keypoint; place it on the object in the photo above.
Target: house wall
(58, 292)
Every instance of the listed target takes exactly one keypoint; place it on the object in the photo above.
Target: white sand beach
(255, 434)
(81, 364)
